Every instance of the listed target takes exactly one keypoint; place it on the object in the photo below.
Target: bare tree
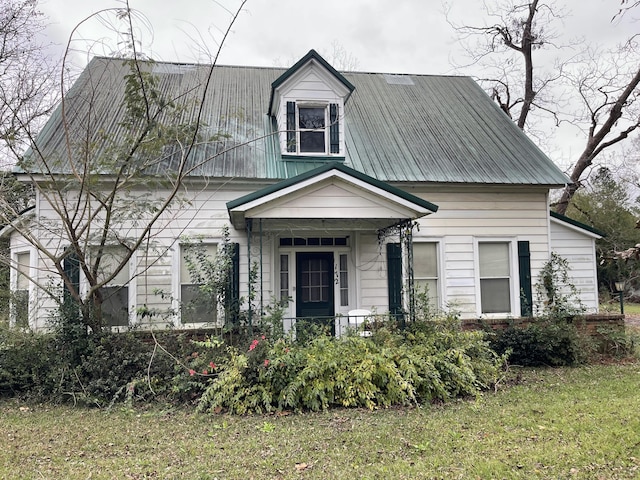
(504, 50)
(608, 88)
(96, 188)
(604, 86)
(27, 82)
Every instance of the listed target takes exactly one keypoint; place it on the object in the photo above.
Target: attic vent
(171, 68)
(398, 79)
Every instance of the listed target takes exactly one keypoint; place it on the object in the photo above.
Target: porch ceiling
(331, 195)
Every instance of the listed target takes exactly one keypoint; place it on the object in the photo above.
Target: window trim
(333, 139)
(13, 282)
(176, 285)
(440, 298)
(337, 250)
(513, 279)
(131, 286)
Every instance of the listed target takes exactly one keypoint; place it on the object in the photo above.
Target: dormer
(307, 102)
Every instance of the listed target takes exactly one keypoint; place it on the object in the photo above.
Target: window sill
(313, 158)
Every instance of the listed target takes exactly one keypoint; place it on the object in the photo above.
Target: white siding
(578, 248)
(466, 216)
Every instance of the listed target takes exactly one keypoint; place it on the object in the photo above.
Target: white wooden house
(344, 189)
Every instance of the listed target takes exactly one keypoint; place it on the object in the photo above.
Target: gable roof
(398, 128)
(576, 225)
(312, 55)
(379, 200)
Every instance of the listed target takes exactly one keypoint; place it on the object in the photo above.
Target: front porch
(319, 242)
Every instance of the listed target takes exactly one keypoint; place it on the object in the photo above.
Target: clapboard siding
(463, 219)
(578, 249)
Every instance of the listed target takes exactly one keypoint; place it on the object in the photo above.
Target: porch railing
(362, 323)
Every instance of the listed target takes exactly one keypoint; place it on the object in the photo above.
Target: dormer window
(307, 103)
(313, 128)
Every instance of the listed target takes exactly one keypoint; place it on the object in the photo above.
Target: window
(425, 270)
(344, 281)
(495, 277)
(313, 129)
(21, 294)
(284, 278)
(315, 280)
(115, 293)
(196, 305)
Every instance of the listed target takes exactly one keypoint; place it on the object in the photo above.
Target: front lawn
(555, 423)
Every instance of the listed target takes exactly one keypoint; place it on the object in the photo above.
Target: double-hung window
(313, 129)
(425, 270)
(495, 277)
(20, 300)
(197, 305)
(115, 292)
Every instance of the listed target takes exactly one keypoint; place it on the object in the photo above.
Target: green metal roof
(576, 223)
(398, 128)
(312, 55)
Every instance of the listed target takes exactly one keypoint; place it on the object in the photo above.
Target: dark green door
(314, 292)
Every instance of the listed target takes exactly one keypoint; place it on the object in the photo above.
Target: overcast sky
(399, 36)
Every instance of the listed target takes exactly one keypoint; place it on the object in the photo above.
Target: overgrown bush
(28, 361)
(422, 364)
(543, 343)
(552, 338)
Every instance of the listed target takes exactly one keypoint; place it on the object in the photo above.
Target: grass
(580, 423)
(613, 306)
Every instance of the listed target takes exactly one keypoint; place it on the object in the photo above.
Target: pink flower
(253, 345)
(205, 371)
(266, 362)
(192, 372)
(263, 337)
(212, 365)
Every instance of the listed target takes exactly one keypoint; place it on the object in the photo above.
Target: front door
(314, 292)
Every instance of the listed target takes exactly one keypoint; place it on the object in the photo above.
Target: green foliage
(606, 205)
(617, 342)
(421, 365)
(552, 339)
(94, 370)
(543, 343)
(28, 363)
(557, 296)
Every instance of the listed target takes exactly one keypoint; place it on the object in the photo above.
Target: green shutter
(394, 270)
(334, 129)
(291, 126)
(71, 268)
(232, 290)
(524, 265)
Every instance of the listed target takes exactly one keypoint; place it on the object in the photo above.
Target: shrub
(543, 343)
(423, 364)
(28, 363)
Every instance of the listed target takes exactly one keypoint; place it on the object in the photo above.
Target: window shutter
(394, 268)
(291, 126)
(524, 266)
(71, 268)
(232, 293)
(334, 129)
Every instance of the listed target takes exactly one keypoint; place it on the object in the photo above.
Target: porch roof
(332, 191)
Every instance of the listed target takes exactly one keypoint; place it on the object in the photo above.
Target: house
(341, 191)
